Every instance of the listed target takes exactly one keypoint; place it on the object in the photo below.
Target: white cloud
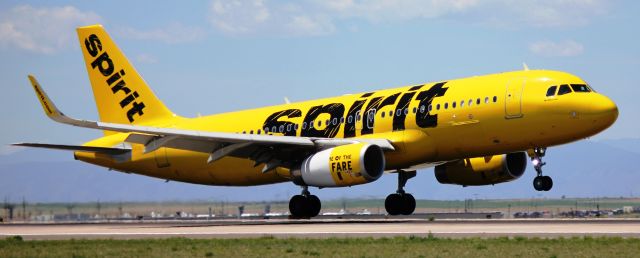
(42, 30)
(557, 49)
(174, 33)
(319, 17)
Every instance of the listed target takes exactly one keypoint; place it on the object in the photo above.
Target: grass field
(332, 247)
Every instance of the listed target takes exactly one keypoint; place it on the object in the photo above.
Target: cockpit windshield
(580, 88)
(564, 89)
(567, 88)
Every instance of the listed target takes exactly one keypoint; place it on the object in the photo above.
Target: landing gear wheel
(547, 182)
(304, 205)
(408, 204)
(314, 206)
(400, 202)
(298, 206)
(393, 204)
(540, 182)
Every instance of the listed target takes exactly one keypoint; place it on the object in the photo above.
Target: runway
(329, 228)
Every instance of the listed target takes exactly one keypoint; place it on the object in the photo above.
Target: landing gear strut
(540, 182)
(304, 205)
(400, 202)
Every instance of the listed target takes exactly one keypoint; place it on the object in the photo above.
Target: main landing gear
(304, 205)
(540, 182)
(401, 203)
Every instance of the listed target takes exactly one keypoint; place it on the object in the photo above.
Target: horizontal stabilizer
(102, 150)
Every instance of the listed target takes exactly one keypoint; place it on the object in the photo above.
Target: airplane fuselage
(427, 124)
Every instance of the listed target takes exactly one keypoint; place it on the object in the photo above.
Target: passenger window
(580, 88)
(382, 114)
(251, 132)
(334, 121)
(295, 127)
(266, 130)
(259, 131)
(304, 125)
(430, 108)
(461, 103)
(495, 99)
(244, 132)
(486, 100)
(552, 91)
(470, 102)
(437, 106)
(564, 89)
(342, 120)
(311, 125)
(478, 101)
(289, 128)
(350, 119)
(414, 110)
(453, 104)
(422, 108)
(281, 130)
(319, 123)
(406, 111)
(446, 105)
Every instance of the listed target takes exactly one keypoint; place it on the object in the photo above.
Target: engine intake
(345, 165)
(483, 170)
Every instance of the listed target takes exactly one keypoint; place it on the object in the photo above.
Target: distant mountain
(582, 169)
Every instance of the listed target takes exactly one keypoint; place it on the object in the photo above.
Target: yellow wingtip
(48, 106)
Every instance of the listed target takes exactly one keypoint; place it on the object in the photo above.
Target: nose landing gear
(540, 182)
(304, 205)
(401, 203)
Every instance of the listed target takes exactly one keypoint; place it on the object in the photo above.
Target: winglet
(49, 107)
(52, 111)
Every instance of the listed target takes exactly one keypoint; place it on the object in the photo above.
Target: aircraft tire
(313, 206)
(298, 206)
(408, 204)
(547, 183)
(538, 183)
(393, 204)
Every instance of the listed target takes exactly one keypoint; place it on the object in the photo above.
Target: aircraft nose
(605, 110)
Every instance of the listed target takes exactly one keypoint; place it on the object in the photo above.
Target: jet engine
(345, 165)
(483, 170)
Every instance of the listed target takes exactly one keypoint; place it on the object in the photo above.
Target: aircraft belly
(190, 167)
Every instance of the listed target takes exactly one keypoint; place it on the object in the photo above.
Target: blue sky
(204, 57)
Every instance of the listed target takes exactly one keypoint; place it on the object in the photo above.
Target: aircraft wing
(260, 148)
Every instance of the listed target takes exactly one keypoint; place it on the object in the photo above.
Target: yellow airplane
(474, 131)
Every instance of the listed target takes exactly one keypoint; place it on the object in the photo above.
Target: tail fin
(121, 95)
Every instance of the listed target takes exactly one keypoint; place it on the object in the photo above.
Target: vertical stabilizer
(121, 95)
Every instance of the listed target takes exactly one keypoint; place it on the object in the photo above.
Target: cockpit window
(552, 91)
(580, 88)
(564, 89)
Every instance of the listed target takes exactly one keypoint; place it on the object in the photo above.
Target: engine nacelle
(483, 170)
(345, 165)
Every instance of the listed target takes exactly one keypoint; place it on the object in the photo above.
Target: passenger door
(513, 98)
